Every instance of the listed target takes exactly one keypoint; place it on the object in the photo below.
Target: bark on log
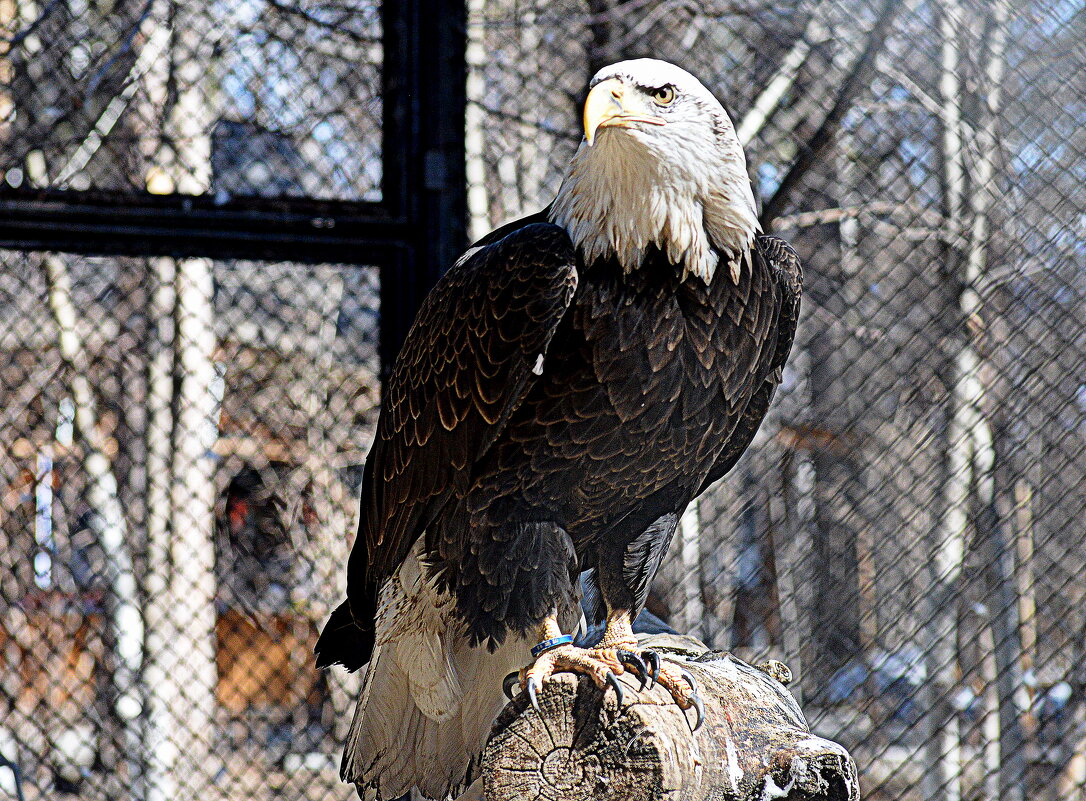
(754, 746)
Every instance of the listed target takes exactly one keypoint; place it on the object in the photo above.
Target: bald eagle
(568, 387)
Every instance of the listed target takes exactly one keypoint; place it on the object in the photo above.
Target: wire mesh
(182, 441)
(182, 438)
(236, 98)
(905, 532)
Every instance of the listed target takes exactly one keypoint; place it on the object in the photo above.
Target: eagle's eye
(663, 95)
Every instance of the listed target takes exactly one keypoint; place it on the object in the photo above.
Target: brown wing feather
(785, 270)
(464, 368)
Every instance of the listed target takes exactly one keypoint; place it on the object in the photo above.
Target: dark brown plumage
(651, 388)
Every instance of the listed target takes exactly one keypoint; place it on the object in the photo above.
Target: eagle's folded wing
(470, 357)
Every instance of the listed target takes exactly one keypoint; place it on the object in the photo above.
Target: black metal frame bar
(116, 224)
(413, 234)
(425, 76)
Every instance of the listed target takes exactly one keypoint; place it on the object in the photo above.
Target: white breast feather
(671, 187)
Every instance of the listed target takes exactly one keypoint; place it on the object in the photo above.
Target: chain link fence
(906, 532)
(181, 439)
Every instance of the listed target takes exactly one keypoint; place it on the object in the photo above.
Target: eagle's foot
(602, 665)
(645, 664)
(683, 689)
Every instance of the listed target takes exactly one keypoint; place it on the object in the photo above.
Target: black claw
(533, 690)
(612, 680)
(695, 700)
(632, 660)
(699, 705)
(512, 680)
(652, 659)
(689, 680)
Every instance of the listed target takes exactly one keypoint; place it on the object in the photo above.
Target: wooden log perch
(754, 746)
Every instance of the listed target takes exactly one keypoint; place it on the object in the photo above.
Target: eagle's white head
(660, 164)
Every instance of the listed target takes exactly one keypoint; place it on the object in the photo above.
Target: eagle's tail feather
(393, 745)
(428, 698)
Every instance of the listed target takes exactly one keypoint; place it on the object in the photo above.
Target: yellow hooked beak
(611, 104)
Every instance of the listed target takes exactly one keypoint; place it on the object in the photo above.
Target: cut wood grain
(755, 744)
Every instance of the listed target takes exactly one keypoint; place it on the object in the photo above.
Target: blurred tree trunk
(159, 345)
(854, 277)
(181, 637)
(834, 633)
(1004, 680)
(1025, 579)
(532, 161)
(108, 522)
(182, 644)
(722, 513)
(39, 88)
(792, 528)
(602, 16)
(969, 493)
(946, 550)
(1002, 602)
(475, 121)
(325, 544)
(690, 607)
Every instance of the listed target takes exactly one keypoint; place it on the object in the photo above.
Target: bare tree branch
(573, 136)
(705, 9)
(807, 219)
(116, 106)
(124, 49)
(769, 100)
(33, 26)
(339, 26)
(821, 138)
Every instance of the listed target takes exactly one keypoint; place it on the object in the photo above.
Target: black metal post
(425, 97)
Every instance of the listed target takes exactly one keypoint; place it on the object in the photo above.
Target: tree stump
(754, 746)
